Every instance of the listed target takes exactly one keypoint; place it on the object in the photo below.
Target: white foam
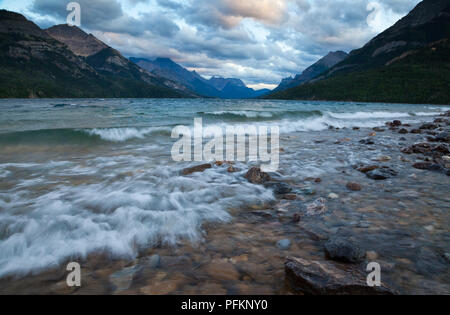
(123, 134)
(119, 217)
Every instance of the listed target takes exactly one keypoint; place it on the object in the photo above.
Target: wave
(253, 115)
(124, 134)
(120, 218)
(80, 136)
(379, 114)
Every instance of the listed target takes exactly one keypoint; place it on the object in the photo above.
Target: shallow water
(93, 181)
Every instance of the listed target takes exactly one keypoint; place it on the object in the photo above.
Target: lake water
(80, 177)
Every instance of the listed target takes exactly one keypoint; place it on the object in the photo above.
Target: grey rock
(342, 250)
(328, 278)
(382, 173)
(284, 244)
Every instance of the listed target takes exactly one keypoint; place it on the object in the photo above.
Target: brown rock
(328, 278)
(296, 218)
(318, 180)
(232, 169)
(196, 169)
(372, 134)
(368, 168)
(256, 176)
(290, 197)
(354, 186)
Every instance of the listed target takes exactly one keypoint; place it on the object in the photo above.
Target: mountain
(313, 71)
(105, 59)
(217, 87)
(35, 64)
(166, 68)
(407, 63)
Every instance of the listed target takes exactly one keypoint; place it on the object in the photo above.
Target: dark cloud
(260, 41)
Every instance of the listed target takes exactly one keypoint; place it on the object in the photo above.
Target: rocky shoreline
(316, 237)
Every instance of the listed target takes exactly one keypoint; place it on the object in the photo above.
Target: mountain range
(216, 86)
(407, 63)
(63, 61)
(310, 73)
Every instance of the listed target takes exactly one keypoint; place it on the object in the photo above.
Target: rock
(318, 180)
(381, 173)
(426, 166)
(403, 131)
(372, 134)
(443, 137)
(356, 128)
(354, 186)
(367, 142)
(428, 126)
(365, 169)
(296, 218)
(290, 197)
(328, 278)
(279, 188)
(416, 131)
(447, 256)
(122, 279)
(385, 158)
(232, 169)
(256, 176)
(196, 169)
(333, 196)
(344, 251)
(378, 129)
(439, 120)
(308, 191)
(284, 244)
(397, 123)
(154, 261)
(371, 256)
(317, 207)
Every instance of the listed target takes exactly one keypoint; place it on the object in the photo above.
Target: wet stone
(342, 250)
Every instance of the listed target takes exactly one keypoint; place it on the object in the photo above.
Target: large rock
(196, 169)
(256, 176)
(328, 278)
(344, 251)
(279, 188)
(381, 173)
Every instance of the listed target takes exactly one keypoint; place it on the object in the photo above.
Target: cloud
(260, 41)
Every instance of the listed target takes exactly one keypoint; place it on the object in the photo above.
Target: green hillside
(421, 77)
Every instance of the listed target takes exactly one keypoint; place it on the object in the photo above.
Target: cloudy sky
(259, 41)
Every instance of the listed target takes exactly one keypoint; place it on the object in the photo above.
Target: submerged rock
(279, 188)
(328, 278)
(256, 176)
(381, 173)
(367, 142)
(342, 250)
(368, 168)
(354, 186)
(333, 196)
(284, 244)
(317, 207)
(196, 169)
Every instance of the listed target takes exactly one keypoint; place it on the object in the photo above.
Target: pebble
(371, 255)
(333, 196)
(154, 261)
(284, 244)
(354, 186)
